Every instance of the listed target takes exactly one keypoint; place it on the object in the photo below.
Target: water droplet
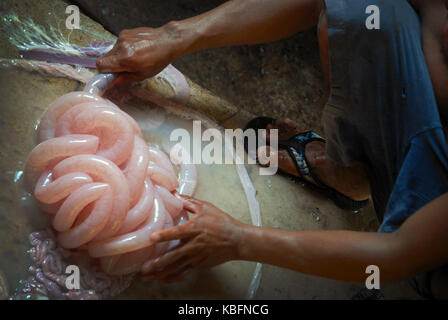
(315, 214)
(269, 182)
(404, 93)
(18, 175)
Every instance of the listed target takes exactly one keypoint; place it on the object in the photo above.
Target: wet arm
(418, 245)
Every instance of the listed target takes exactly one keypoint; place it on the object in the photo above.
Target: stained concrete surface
(284, 204)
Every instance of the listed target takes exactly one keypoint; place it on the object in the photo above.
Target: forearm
(213, 237)
(239, 22)
(418, 245)
(341, 255)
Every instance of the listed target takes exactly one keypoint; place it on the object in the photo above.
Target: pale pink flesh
(140, 212)
(162, 177)
(131, 120)
(47, 125)
(134, 240)
(188, 179)
(172, 204)
(128, 262)
(103, 170)
(96, 220)
(179, 83)
(64, 123)
(46, 153)
(136, 169)
(49, 191)
(104, 186)
(50, 208)
(132, 261)
(161, 159)
(188, 175)
(75, 202)
(163, 247)
(113, 130)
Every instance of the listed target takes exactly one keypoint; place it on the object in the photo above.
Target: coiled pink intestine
(104, 187)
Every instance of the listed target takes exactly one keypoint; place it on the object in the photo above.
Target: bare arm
(418, 245)
(213, 237)
(251, 21)
(143, 52)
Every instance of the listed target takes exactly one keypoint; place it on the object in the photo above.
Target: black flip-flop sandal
(296, 149)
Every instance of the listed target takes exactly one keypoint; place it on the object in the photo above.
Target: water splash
(27, 35)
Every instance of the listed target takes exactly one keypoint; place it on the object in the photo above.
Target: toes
(265, 153)
(316, 154)
(285, 163)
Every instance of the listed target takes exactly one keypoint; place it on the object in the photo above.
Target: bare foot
(350, 181)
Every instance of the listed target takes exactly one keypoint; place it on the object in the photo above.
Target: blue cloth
(382, 110)
(423, 177)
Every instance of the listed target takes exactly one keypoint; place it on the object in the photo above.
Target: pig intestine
(104, 187)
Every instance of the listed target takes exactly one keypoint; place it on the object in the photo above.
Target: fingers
(193, 205)
(175, 256)
(110, 64)
(126, 78)
(177, 278)
(174, 233)
(111, 61)
(178, 271)
(265, 154)
(171, 278)
(171, 270)
(173, 266)
(147, 266)
(184, 231)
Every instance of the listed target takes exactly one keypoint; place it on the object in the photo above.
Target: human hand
(143, 52)
(210, 238)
